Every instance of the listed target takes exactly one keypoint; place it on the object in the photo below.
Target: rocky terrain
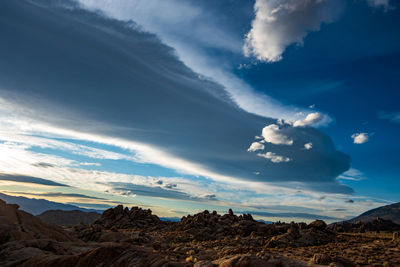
(378, 224)
(136, 237)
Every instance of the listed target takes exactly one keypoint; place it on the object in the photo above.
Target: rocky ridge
(378, 224)
(136, 237)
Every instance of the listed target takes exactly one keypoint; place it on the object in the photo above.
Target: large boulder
(318, 224)
(396, 236)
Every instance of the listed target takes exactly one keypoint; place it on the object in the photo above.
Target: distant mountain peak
(388, 212)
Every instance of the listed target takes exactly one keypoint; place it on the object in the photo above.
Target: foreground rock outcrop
(19, 225)
(136, 237)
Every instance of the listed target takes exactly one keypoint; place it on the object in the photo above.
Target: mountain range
(388, 212)
(38, 206)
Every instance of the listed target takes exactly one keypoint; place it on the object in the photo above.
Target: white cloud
(310, 119)
(360, 138)
(308, 146)
(274, 157)
(255, 146)
(352, 175)
(146, 140)
(385, 4)
(90, 164)
(280, 23)
(273, 134)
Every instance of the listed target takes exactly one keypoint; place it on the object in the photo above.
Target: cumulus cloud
(274, 157)
(280, 23)
(255, 146)
(274, 134)
(308, 146)
(360, 138)
(310, 119)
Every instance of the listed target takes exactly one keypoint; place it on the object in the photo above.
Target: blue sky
(286, 109)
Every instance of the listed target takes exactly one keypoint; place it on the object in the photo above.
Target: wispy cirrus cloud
(206, 30)
(391, 116)
(212, 125)
(352, 175)
(28, 179)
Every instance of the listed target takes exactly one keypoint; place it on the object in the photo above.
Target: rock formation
(136, 237)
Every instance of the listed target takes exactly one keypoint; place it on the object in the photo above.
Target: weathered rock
(204, 264)
(211, 226)
(318, 224)
(396, 236)
(19, 225)
(321, 259)
(242, 260)
(301, 238)
(120, 218)
(114, 237)
(156, 245)
(250, 260)
(203, 240)
(113, 256)
(376, 225)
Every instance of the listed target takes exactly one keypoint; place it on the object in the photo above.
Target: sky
(285, 109)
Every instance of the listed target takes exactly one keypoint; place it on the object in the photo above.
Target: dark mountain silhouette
(38, 206)
(388, 212)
